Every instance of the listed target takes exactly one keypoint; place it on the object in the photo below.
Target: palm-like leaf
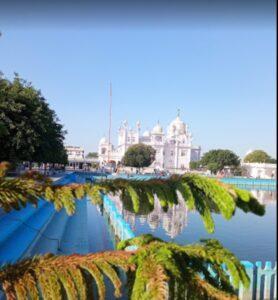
(156, 270)
(200, 193)
(198, 270)
(59, 277)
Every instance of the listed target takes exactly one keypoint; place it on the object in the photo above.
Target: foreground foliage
(205, 195)
(156, 270)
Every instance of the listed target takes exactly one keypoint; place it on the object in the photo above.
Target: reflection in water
(176, 218)
(264, 197)
(173, 221)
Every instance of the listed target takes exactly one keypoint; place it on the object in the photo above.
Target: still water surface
(249, 236)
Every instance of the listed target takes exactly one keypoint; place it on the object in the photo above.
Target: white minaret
(138, 126)
(110, 120)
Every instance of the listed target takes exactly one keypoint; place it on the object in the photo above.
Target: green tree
(139, 156)
(194, 165)
(32, 129)
(259, 156)
(92, 155)
(216, 160)
(240, 171)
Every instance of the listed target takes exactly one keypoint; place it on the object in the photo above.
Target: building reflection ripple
(176, 218)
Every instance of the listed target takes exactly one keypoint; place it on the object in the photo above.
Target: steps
(9, 221)
(49, 240)
(19, 229)
(75, 236)
(40, 230)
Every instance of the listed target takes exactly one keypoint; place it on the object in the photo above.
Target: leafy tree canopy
(259, 156)
(92, 155)
(29, 129)
(139, 156)
(216, 160)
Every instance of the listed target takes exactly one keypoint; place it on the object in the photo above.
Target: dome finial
(178, 115)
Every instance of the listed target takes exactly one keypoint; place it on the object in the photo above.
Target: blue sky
(222, 80)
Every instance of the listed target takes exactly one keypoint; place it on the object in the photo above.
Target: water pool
(44, 230)
(249, 236)
(33, 231)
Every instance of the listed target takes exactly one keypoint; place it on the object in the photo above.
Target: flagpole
(110, 119)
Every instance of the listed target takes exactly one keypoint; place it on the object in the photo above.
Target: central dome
(176, 127)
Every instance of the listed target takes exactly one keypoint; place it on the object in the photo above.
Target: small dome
(157, 129)
(103, 140)
(146, 133)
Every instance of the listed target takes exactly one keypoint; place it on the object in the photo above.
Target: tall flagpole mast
(110, 118)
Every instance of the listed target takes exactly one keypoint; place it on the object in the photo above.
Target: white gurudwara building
(174, 149)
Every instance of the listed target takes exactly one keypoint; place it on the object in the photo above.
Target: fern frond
(201, 289)
(214, 254)
(155, 270)
(49, 275)
(151, 281)
(4, 166)
(199, 265)
(134, 197)
(202, 194)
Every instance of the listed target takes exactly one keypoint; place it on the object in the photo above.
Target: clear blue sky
(222, 79)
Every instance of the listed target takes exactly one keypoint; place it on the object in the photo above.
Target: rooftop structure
(75, 153)
(174, 149)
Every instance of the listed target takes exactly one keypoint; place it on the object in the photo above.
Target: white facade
(174, 149)
(75, 153)
(261, 170)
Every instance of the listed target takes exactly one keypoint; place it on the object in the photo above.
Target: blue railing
(249, 181)
(121, 227)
